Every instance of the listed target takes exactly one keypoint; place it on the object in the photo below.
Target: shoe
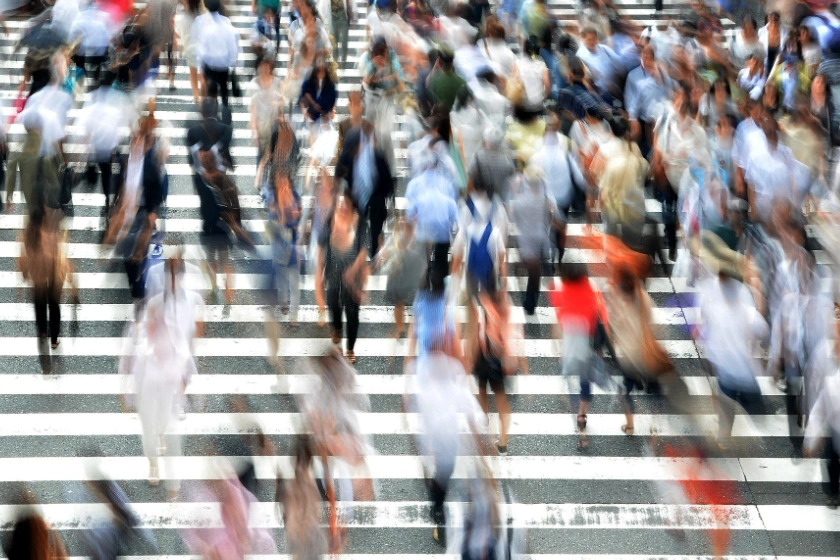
(672, 254)
(157, 251)
(154, 476)
(351, 357)
(501, 449)
(782, 385)
(55, 344)
(832, 502)
(336, 337)
(581, 422)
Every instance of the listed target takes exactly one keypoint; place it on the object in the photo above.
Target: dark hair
(618, 126)
(532, 46)
(265, 58)
(576, 68)
(725, 86)
(213, 6)
(486, 73)
(749, 19)
(209, 108)
(194, 6)
(379, 47)
(313, 76)
(574, 272)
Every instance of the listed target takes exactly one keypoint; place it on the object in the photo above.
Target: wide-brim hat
(719, 258)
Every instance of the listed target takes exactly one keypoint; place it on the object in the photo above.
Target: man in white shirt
(770, 171)
(601, 61)
(218, 46)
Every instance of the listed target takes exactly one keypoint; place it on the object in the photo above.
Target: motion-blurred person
(266, 103)
(493, 165)
(39, 174)
(235, 539)
(443, 396)
(32, 537)
(300, 502)
(370, 181)
(536, 215)
(162, 365)
(383, 79)
(188, 44)
(677, 137)
(217, 46)
(561, 174)
(578, 307)
(44, 263)
(493, 358)
(826, 411)
(330, 412)
(731, 325)
(113, 538)
(318, 96)
(403, 260)
(283, 204)
(342, 271)
(432, 211)
(104, 114)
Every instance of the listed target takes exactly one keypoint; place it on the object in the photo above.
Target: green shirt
(444, 87)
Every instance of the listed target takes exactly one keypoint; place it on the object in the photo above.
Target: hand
(322, 315)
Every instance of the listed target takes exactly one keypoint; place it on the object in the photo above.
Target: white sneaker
(182, 414)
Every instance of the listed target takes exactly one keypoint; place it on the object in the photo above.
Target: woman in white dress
(162, 364)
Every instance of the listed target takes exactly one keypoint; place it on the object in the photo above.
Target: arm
(319, 286)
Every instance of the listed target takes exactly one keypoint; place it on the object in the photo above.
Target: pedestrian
(283, 204)
(300, 503)
(189, 45)
(217, 44)
(266, 104)
(577, 304)
(342, 271)
(534, 212)
(44, 263)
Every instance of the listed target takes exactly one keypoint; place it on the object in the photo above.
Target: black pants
(47, 298)
(95, 62)
(833, 467)
(338, 300)
(219, 77)
(106, 176)
(377, 215)
(438, 486)
(669, 215)
(532, 288)
(439, 261)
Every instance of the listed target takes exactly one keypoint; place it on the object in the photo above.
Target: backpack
(480, 267)
(833, 40)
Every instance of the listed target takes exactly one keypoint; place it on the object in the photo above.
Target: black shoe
(501, 449)
(832, 502)
(672, 254)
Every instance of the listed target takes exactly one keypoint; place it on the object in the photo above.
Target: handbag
(515, 90)
(655, 358)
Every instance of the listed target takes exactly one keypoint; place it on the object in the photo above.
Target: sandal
(336, 337)
(55, 344)
(351, 357)
(581, 423)
(628, 430)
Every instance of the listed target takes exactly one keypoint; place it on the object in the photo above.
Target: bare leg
(194, 85)
(504, 417)
(399, 319)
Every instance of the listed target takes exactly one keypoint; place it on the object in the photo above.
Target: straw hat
(719, 258)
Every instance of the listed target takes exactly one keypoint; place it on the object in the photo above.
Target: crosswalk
(63, 430)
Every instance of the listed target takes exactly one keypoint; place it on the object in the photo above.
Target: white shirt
(553, 158)
(216, 40)
(602, 65)
(826, 411)
(730, 328)
(470, 227)
(494, 105)
(770, 172)
(499, 55)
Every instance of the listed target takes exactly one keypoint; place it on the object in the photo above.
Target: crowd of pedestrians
(543, 156)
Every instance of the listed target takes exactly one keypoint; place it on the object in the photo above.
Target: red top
(578, 299)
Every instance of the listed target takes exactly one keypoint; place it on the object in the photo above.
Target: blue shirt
(555, 75)
(436, 215)
(644, 96)
(429, 321)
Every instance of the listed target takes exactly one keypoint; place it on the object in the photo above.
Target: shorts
(488, 373)
(217, 247)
